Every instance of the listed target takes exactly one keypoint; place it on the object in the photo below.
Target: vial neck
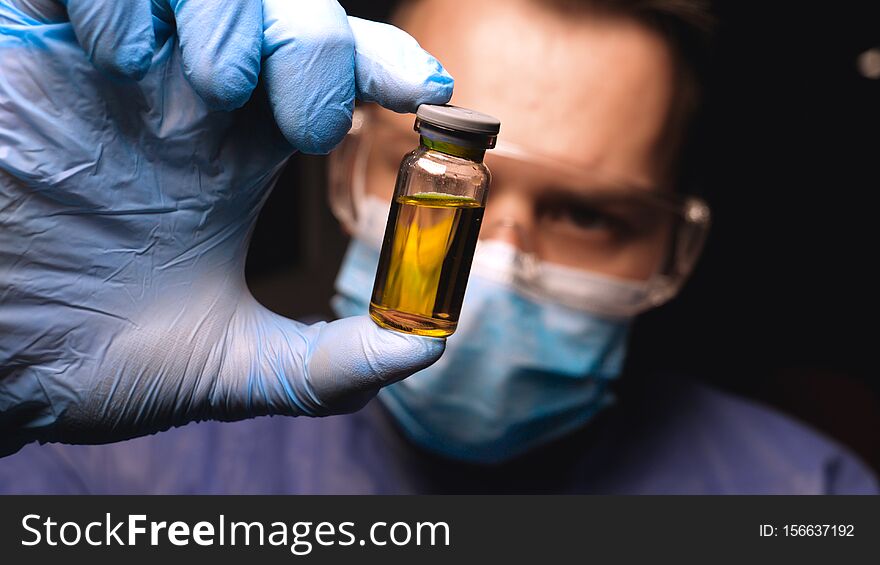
(453, 149)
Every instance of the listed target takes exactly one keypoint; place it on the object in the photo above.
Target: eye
(584, 217)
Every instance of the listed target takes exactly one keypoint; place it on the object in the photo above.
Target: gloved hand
(126, 208)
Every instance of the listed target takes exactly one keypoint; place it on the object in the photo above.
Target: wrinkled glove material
(128, 193)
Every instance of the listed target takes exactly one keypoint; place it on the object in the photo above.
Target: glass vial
(434, 222)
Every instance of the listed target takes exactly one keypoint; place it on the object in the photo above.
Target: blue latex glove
(126, 208)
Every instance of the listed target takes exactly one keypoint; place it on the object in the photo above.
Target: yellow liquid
(425, 261)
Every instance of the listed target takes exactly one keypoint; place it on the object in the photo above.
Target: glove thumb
(352, 358)
(280, 366)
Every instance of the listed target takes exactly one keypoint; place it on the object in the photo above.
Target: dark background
(783, 304)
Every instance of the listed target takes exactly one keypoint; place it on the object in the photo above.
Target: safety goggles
(575, 222)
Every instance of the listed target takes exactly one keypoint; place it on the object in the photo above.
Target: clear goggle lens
(579, 226)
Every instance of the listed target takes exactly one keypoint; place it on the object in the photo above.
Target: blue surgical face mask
(518, 373)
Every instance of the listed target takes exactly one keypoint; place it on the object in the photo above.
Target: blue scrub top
(673, 437)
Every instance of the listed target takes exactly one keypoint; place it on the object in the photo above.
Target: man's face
(591, 91)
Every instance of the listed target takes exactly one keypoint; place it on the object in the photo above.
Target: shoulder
(753, 448)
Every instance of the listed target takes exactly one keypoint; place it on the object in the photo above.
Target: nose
(508, 218)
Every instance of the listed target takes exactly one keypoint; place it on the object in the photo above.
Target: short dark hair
(688, 27)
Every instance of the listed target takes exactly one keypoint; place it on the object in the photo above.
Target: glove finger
(308, 52)
(220, 44)
(353, 358)
(393, 70)
(117, 35)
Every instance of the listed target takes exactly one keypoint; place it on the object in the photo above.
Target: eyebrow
(583, 184)
(599, 195)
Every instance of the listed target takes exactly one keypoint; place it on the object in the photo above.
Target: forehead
(591, 89)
